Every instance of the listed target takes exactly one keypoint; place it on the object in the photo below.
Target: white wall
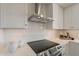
(34, 31)
(13, 34)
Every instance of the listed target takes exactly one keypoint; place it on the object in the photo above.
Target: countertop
(64, 41)
(26, 50)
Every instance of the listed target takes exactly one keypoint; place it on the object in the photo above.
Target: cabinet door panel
(71, 17)
(58, 17)
(12, 15)
(73, 49)
(18, 15)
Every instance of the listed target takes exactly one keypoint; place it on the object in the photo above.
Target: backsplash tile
(73, 32)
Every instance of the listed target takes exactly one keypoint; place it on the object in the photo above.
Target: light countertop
(62, 41)
(26, 50)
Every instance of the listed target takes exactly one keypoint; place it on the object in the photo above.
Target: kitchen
(22, 23)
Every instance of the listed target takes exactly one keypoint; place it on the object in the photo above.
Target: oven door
(54, 51)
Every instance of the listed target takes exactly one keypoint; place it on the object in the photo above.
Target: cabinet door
(57, 17)
(73, 48)
(65, 50)
(71, 17)
(12, 15)
(68, 18)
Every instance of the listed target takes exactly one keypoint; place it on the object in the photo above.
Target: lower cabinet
(71, 49)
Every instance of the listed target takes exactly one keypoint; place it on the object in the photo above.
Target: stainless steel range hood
(37, 16)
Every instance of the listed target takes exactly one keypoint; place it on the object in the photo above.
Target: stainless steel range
(46, 48)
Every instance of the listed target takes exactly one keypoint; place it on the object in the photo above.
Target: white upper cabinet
(57, 17)
(12, 15)
(71, 17)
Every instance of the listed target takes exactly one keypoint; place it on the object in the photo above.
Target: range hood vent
(37, 16)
